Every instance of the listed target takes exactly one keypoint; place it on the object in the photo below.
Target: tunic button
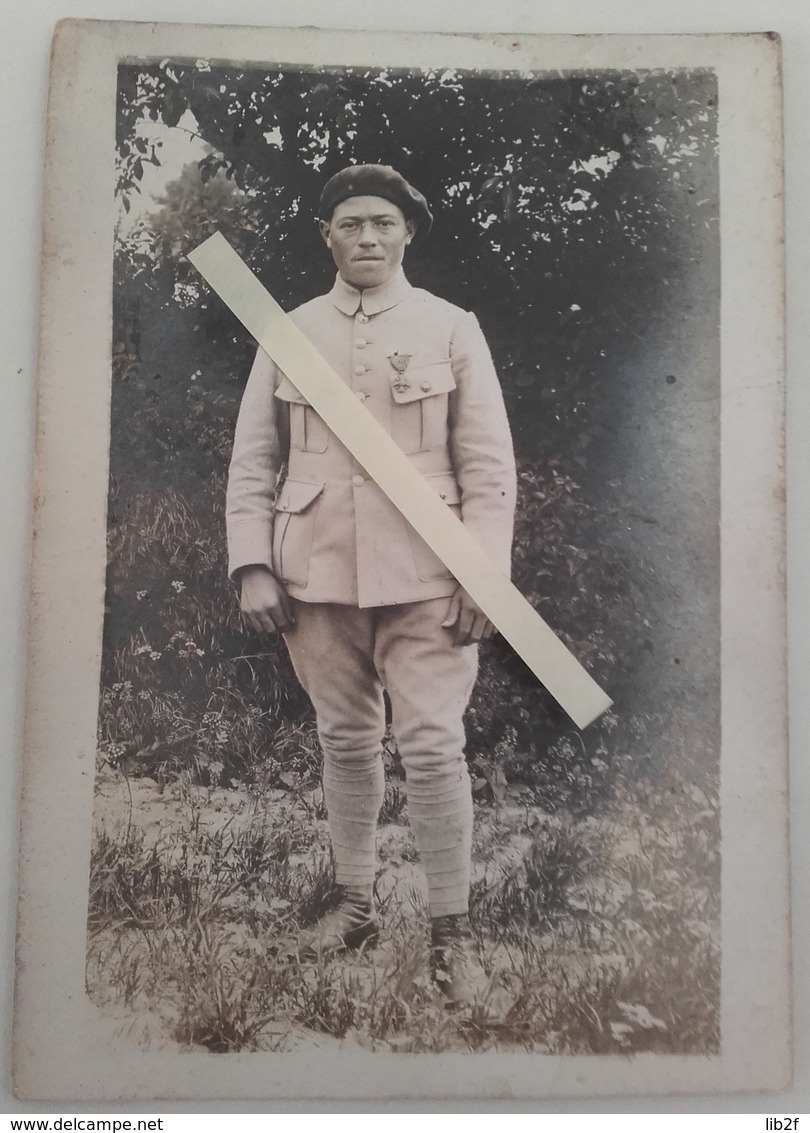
(426, 387)
(361, 318)
(360, 369)
(358, 481)
(361, 396)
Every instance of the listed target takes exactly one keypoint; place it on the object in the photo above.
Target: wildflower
(115, 753)
(140, 595)
(178, 586)
(154, 655)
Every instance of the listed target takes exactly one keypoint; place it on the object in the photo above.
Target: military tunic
(422, 368)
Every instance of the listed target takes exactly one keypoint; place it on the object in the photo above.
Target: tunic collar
(372, 300)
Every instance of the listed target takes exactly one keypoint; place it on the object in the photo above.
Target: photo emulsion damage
(574, 239)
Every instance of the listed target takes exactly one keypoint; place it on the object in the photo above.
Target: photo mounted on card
(406, 709)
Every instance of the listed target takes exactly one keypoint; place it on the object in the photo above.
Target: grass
(599, 934)
(596, 860)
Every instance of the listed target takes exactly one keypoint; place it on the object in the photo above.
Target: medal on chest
(399, 363)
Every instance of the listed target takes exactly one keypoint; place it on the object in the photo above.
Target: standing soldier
(364, 604)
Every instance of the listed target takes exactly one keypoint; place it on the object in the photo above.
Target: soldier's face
(367, 237)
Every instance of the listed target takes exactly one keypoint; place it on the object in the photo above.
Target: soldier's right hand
(265, 603)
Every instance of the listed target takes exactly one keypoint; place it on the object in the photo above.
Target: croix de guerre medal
(400, 364)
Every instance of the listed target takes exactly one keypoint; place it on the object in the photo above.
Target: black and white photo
(331, 810)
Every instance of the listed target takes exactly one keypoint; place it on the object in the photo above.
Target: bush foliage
(577, 215)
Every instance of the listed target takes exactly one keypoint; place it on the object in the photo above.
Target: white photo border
(63, 1049)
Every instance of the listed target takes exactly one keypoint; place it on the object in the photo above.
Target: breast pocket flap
(296, 496)
(423, 380)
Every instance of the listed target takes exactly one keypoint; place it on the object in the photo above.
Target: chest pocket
(419, 415)
(307, 431)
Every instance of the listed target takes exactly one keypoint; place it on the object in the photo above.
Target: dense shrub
(578, 217)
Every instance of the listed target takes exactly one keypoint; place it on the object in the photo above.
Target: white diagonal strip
(551, 662)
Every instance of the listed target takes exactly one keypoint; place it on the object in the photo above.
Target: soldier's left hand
(466, 620)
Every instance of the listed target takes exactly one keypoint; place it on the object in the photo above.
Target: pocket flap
(296, 496)
(288, 392)
(422, 380)
(444, 485)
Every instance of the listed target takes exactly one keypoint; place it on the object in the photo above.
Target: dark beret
(376, 181)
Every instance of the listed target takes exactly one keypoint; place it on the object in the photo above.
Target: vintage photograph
(332, 808)
(302, 821)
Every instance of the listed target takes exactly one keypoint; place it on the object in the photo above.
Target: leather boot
(454, 964)
(348, 927)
